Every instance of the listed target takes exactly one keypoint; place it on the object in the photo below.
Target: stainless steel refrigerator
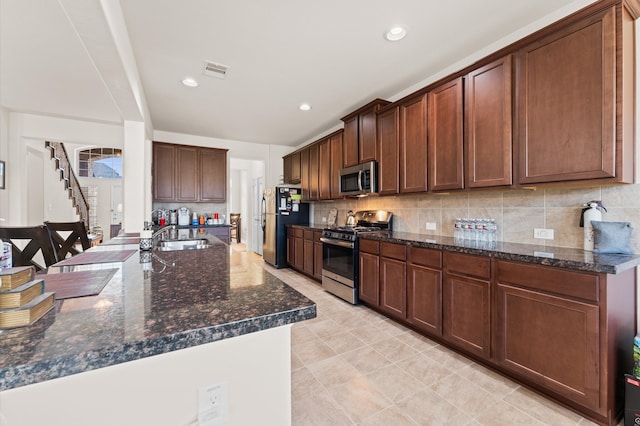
(281, 206)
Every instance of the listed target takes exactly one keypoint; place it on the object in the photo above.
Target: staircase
(71, 184)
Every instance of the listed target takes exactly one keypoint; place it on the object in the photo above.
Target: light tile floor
(353, 366)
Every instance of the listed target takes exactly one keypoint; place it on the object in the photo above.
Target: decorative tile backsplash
(517, 212)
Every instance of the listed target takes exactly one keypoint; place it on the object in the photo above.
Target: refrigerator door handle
(264, 214)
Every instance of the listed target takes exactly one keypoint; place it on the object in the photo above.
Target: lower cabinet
(304, 251)
(369, 272)
(424, 289)
(221, 232)
(393, 280)
(566, 333)
(466, 308)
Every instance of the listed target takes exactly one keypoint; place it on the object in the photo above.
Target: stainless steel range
(340, 252)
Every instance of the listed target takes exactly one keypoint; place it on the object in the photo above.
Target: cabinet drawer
(425, 257)
(559, 281)
(369, 246)
(308, 234)
(316, 236)
(475, 266)
(298, 232)
(393, 251)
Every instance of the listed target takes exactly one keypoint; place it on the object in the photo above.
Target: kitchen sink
(183, 245)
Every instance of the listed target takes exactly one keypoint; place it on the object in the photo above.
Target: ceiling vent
(215, 70)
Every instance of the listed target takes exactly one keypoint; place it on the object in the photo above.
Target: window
(100, 163)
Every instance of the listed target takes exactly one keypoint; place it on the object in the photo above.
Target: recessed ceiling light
(305, 107)
(190, 82)
(396, 33)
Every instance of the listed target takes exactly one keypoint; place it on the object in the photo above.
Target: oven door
(339, 269)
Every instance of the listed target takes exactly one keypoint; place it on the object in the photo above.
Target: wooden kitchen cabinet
(324, 173)
(335, 164)
(413, 145)
(445, 147)
(164, 172)
(213, 175)
(424, 289)
(388, 141)
(308, 255)
(393, 280)
(187, 173)
(183, 173)
(317, 255)
(369, 272)
(292, 168)
(489, 124)
(298, 249)
(304, 173)
(575, 101)
(291, 247)
(359, 143)
(314, 171)
(466, 307)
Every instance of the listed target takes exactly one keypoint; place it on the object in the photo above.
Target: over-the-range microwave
(358, 180)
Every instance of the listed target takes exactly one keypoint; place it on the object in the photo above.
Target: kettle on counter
(351, 218)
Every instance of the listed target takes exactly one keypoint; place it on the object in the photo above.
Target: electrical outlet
(213, 405)
(324, 220)
(542, 233)
(431, 226)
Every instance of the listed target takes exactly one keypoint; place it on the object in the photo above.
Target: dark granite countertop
(561, 257)
(315, 227)
(177, 300)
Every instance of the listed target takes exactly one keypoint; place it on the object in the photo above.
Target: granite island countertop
(178, 300)
(561, 257)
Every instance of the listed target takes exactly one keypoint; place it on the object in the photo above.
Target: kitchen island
(166, 325)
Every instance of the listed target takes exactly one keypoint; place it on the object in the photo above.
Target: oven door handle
(337, 242)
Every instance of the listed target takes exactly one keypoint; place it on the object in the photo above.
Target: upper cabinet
(183, 173)
(445, 137)
(324, 172)
(489, 124)
(292, 168)
(575, 101)
(413, 144)
(359, 143)
(388, 140)
(335, 141)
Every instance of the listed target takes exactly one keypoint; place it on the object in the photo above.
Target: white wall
(243, 173)
(4, 154)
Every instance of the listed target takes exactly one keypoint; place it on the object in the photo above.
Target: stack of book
(22, 297)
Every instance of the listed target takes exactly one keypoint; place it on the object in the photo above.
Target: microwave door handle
(360, 174)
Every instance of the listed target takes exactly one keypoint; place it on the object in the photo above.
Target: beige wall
(517, 212)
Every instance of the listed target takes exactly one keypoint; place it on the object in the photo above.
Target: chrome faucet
(161, 230)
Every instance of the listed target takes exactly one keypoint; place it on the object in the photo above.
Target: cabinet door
(304, 173)
(286, 168)
(424, 298)
(336, 164)
(164, 169)
(489, 123)
(367, 138)
(314, 171)
(350, 142)
(298, 253)
(308, 258)
(296, 172)
(187, 173)
(213, 175)
(466, 313)
(388, 123)
(324, 190)
(290, 248)
(566, 97)
(317, 257)
(445, 137)
(413, 145)
(369, 286)
(393, 287)
(550, 339)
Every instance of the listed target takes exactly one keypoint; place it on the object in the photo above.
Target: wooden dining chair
(68, 237)
(35, 239)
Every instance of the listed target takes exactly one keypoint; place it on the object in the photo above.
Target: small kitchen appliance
(359, 180)
(341, 252)
(184, 218)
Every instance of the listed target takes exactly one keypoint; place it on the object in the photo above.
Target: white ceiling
(111, 61)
